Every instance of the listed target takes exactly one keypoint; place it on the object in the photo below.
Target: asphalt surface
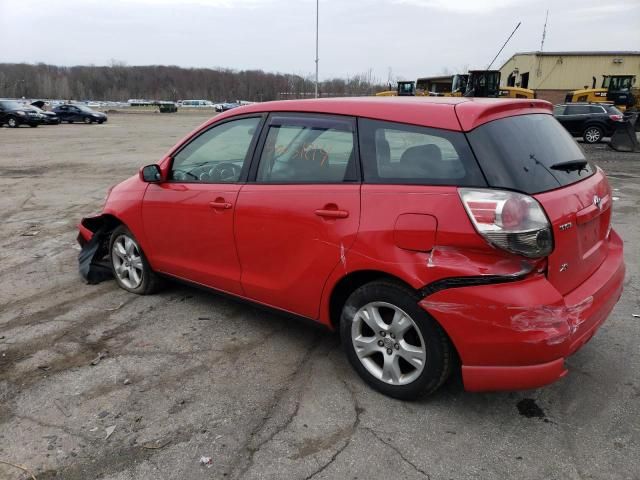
(186, 374)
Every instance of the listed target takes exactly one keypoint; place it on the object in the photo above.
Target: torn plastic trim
(475, 280)
(93, 262)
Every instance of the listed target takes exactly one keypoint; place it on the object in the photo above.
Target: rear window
(612, 110)
(517, 153)
(395, 153)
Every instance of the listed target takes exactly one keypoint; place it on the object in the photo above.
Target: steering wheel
(225, 172)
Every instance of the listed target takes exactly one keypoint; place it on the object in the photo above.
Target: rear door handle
(220, 205)
(332, 213)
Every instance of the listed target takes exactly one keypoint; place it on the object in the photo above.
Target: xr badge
(564, 267)
(597, 201)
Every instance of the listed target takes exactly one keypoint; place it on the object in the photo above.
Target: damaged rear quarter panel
(519, 323)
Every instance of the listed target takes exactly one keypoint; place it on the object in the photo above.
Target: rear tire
(129, 264)
(33, 125)
(592, 134)
(87, 120)
(393, 344)
(12, 122)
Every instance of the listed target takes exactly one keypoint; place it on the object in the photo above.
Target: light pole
(317, 17)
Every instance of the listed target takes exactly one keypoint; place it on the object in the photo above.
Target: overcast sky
(411, 38)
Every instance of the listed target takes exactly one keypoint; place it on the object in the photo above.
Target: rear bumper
(517, 335)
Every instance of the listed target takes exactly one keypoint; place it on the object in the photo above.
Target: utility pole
(317, 23)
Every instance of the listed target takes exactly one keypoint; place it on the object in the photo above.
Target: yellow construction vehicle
(486, 83)
(618, 89)
(406, 88)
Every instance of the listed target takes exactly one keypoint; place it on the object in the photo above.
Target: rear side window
(596, 109)
(308, 149)
(519, 153)
(576, 110)
(396, 153)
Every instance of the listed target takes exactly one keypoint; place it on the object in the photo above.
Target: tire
(380, 358)
(34, 125)
(69, 122)
(592, 134)
(87, 120)
(100, 122)
(12, 122)
(129, 264)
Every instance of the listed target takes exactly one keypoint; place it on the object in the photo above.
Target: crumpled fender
(93, 238)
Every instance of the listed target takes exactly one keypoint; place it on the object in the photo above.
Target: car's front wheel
(86, 120)
(129, 264)
(592, 134)
(393, 344)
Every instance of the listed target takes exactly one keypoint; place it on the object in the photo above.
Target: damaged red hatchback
(432, 233)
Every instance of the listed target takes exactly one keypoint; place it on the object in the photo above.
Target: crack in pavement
(397, 450)
(247, 448)
(354, 427)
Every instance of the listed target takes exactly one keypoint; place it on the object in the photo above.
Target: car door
(188, 219)
(62, 112)
(299, 216)
(575, 117)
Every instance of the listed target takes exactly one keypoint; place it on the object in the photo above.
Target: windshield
(617, 83)
(526, 153)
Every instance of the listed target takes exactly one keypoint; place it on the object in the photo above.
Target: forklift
(616, 89)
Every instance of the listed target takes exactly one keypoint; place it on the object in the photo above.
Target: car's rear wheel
(592, 134)
(129, 264)
(393, 344)
(12, 122)
(33, 125)
(86, 120)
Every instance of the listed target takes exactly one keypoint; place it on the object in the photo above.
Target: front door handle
(330, 213)
(220, 204)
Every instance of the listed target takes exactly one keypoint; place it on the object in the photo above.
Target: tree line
(120, 82)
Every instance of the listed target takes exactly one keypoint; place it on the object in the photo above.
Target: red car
(433, 234)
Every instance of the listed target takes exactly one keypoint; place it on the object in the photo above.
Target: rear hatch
(535, 155)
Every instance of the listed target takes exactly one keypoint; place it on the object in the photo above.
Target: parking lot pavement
(98, 383)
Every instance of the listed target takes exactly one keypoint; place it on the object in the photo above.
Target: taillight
(509, 220)
(616, 118)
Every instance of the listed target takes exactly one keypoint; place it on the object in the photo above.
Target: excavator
(616, 89)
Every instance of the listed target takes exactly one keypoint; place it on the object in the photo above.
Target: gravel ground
(186, 374)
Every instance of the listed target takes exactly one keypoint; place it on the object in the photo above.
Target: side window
(558, 110)
(405, 154)
(308, 149)
(217, 155)
(596, 109)
(577, 109)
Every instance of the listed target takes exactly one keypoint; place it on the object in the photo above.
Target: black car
(591, 121)
(50, 118)
(78, 113)
(15, 114)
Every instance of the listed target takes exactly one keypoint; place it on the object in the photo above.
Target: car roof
(450, 113)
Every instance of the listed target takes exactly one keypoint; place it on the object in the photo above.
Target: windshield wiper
(570, 165)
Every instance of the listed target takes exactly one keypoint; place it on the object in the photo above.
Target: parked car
(432, 233)
(14, 114)
(591, 121)
(195, 104)
(223, 107)
(79, 113)
(50, 118)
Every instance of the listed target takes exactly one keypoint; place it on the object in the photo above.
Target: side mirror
(151, 174)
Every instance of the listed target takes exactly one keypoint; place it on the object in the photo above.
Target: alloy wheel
(12, 122)
(388, 343)
(127, 261)
(592, 135)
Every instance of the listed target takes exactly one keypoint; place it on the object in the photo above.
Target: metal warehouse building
(552, 74)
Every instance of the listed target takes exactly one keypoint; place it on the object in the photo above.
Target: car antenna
(504, 45)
